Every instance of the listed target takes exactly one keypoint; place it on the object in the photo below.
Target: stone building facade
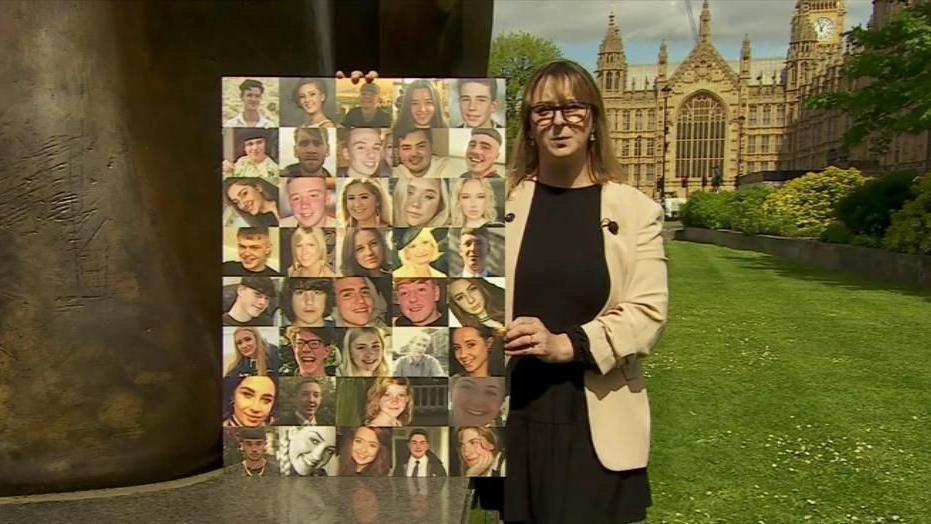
(721, 119)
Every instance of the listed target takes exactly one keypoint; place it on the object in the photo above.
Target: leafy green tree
(910, 231)
(809, 202)
(891, 78)
(514, 57)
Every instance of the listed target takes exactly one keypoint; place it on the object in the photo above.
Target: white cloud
(576, 23)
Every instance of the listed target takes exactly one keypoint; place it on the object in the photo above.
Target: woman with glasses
(582, 313)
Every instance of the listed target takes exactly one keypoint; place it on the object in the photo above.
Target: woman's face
(423, 106)
(422, 201)
(306, 249)
(422, 250)
(361, 203)
(246, 343)
(309, 306)
(477, 401)
(471, 349)
(246, 198)
(473, 446)
(556, 136)
(310, 98)
(472, 200)
(364, 446)
(253, 400)
(467, 296)
(366, 352)
(394, 400)
(368, 250)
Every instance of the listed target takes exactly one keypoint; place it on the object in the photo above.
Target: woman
(252, 355)
(367, 354)
(421, 202)
(309, 254)
(477, 401)
(390, 403)
(255, 202)
(308, 302)
(479, 453)
(417, 250)
(365, 253)
(365, 203)
(420, 107)
(474, 351)
(476, 302)
(252, 402)
(310, 95)
(474, 203)
(365, 453)
(583, 314)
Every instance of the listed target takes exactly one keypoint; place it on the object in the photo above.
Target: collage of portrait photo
(363, 277)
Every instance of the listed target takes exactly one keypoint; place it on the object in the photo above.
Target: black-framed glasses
(310, 344)
(572, 113)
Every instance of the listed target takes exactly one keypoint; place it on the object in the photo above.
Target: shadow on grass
(841, 279)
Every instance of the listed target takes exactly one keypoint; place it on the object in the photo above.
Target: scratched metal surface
(109, 140)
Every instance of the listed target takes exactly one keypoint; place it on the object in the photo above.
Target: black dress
(553, 473)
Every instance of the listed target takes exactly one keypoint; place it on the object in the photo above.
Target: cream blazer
(629, 324)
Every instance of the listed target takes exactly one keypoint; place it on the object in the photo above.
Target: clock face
(824, 28)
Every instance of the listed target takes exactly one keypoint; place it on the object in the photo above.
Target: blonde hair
(347, 367)
(261, 352)
(428, 231)
(441, 218)
(491, 213)
(572, 78)
(320, 237)
(379, 388)
(377, 190)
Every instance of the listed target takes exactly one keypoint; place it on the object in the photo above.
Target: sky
(644, 23)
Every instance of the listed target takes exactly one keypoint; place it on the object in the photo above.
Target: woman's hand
(528, 336)
(355, 76)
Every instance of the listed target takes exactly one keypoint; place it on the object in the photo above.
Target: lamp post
(637, 158)
(740, 135)
(661, 183)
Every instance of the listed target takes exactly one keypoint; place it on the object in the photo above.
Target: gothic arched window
(700, 139)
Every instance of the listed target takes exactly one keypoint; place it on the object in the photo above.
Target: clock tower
(817, 34)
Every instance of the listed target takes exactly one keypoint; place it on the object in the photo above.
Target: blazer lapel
(518, 204)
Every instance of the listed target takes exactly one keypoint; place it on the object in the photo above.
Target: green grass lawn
(784, 394)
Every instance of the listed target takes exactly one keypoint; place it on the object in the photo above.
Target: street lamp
(661, 183)
(638, 156)
(740, 135)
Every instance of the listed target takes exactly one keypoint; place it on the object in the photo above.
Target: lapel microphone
(509, 217)
(611, 225)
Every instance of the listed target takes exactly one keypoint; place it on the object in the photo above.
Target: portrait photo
(250, 401)
(423, 104)
(477, 202)
(477, 102)
(476, 352)
(249, 350)
(250, 152)
(308, 202)
(307, 451)
(250, 301)
(360, 152)
(477, 401)
(476, 252)
(310, 352)
(308, 251)
(478, 152)
(250, 202)
(364, 202)
(366, 104)
(421, 352)
(250, 452)
(421, 451)
(422, 153)
(366, 353)
(307, 151)
(420, 302)
(420, 252)
(308, 102)
(421, 202)
(307, 401)
(364, 451)
(477, 451)
(476, 302)
(366, 252)
(250, 101)
(392, 401)
(250, 251)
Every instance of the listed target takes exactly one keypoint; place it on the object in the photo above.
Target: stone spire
(745, 58)
(663, 63)
(612, 62)
(704, 32)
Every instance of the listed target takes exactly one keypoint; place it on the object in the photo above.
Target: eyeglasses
(310, 344)
(574, 113)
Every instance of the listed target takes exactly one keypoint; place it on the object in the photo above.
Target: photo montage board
(363, 277)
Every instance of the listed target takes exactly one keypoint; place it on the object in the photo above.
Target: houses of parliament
(720, 120)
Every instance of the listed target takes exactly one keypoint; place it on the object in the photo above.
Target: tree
(891, 80)
(514, 57)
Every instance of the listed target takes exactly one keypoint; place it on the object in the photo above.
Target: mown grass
(786, 394)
